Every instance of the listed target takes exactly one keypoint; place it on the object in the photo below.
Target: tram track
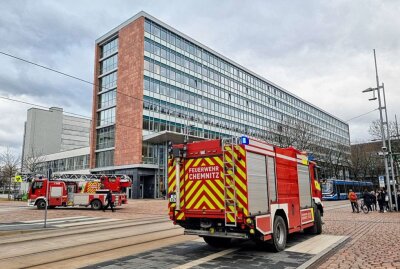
(77, 256)
(79, 229)
(43, 250)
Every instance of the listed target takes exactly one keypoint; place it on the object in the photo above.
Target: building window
(108, 82)
(109, 48)
(106, 117)
(107, 99)
(109, 64)
(105, 137)
(105, 158)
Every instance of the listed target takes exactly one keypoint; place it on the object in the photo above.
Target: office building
(51, 131)
(155, 84)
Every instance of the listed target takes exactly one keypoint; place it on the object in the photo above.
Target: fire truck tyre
(317, 228)
(217, 242)
(96, 204)
(279, 235)
(41, 204)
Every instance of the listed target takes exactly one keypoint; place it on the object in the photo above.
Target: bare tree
(297, 133)
(375, 129)
(333, 158)
(33, 163)
(10, 163)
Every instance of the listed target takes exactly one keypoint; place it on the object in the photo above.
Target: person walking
(353, 200)
(381, 200)
(374, 201)
(109, 202)
(368, 199)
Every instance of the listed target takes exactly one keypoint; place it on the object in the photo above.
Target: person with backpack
(353, 200)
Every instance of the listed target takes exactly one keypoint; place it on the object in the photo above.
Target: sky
(321, 51)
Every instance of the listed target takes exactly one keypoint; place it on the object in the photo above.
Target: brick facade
(92, 141)
(129, 110)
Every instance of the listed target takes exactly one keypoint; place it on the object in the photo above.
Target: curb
(324, 255)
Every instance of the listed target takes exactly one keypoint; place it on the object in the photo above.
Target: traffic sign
(381, 181)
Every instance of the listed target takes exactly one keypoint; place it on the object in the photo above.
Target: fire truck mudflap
(244, 191)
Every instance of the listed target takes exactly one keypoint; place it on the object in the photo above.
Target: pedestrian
(368, 199)
(109, 202)
(353, 200)
(374, 201)
(381, 200)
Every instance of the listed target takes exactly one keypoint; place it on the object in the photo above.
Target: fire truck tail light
(249, 221)
(252, 231)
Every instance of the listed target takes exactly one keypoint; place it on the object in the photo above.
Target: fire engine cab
(78, 190)
(243, 188)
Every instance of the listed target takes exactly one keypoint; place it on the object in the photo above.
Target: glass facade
(107, 94)
(187, 85)
(65, 164)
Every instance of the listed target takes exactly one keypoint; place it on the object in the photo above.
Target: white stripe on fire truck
(258, 150)
(260, 144)
(286, 157)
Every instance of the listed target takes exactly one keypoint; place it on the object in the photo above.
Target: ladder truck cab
(243, 188)
(78, 190)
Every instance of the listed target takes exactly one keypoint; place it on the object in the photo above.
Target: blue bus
(334, 189)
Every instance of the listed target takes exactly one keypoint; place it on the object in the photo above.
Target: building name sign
(204, 172)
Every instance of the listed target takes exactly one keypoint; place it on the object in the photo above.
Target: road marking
(55, 219)
(84, 223)
(206, 258)
(316, 244)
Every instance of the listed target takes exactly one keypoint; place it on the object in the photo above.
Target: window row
(105, 137)
(107, 99)
(238, 107)
(105, 158)
(106, 117)
(109, 48)
(108, 82)
(217, 120)
(109, 64)
(66, 164)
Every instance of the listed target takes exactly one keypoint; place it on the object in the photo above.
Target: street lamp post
(384, 147)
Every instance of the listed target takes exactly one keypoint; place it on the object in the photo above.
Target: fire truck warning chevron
(221, 189)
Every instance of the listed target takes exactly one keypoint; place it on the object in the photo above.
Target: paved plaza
(366, 240)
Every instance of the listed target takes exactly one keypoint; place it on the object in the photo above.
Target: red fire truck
(78, 190)
(243, 188)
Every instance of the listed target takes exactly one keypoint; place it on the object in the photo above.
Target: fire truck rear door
(257, 183)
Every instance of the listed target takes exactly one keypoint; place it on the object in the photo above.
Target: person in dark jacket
(374, 201)
(381, 200)
(109, 202)
(368, 199)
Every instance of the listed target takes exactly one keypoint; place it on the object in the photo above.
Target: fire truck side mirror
(176, 153)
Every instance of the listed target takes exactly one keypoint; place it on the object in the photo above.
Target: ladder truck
(68, 190)
(243, 188)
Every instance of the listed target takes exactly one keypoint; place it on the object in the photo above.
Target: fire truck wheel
(96, 204)
(217, 242)
(317, 228)
(279, 235)
(41, 204)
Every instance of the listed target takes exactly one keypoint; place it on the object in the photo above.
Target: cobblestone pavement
(374, 239)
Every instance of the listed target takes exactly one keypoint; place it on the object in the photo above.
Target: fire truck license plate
(172, 198)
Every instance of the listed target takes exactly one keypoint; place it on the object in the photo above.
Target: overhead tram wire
(356, 117)
(40, 106)
(97, 85)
